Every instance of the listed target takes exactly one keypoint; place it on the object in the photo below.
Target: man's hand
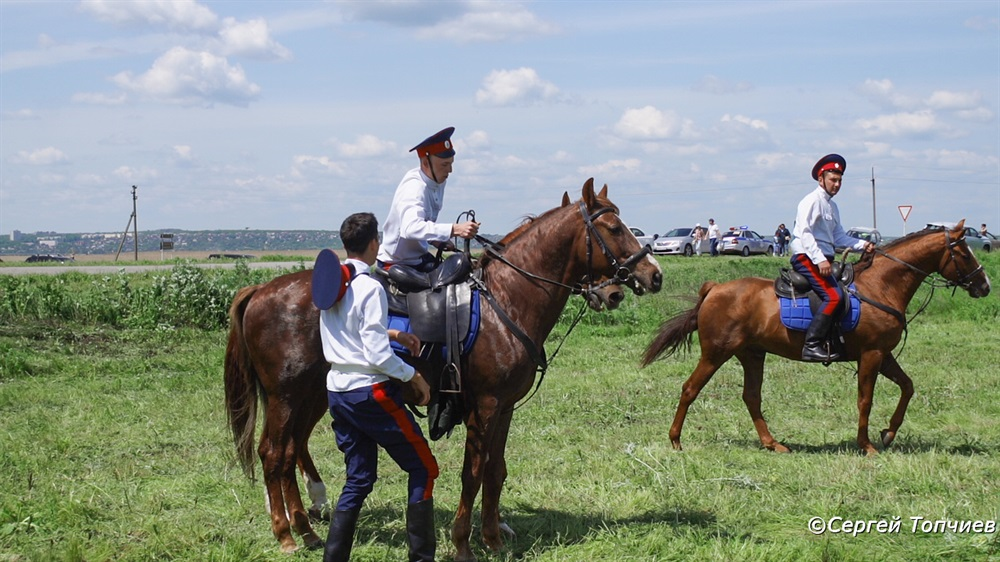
(825, 269)
(410, 341)
(465, 230)
(869, 247)
(420, 390)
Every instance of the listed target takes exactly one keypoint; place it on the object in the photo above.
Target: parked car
(231, 256)
(679, 241)
(48, 257)
(864, 233)
(972, 236)
(744, 241)
(643, 238)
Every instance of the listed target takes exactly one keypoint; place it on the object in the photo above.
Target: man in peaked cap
(412, 223)
(817, 231)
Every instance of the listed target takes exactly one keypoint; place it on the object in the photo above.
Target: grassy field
(114, 446)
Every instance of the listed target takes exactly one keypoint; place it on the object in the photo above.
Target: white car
(679, 241)
(643, 238)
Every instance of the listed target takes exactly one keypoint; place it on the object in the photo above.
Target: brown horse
(741, 318)
(274, 353)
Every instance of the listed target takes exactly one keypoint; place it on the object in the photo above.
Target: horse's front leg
(478, 432)
(868, 367)
(892, 371)
(493, 478)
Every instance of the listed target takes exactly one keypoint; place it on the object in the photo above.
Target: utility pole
(874, 222)
(133, 222)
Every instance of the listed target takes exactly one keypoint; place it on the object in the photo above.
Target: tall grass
(113, 443)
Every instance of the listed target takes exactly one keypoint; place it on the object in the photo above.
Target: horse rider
(411, 225)
(817, 231)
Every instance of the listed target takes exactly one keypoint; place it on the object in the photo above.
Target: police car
(744, 242)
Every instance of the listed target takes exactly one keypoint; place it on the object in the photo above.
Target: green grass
(114, 446)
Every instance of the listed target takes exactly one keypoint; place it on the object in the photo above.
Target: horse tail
(677, 332)
(241, 383)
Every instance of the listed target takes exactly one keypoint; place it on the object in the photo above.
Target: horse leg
(868, 368)
(892, 371)
(753, 379)
(495, 474)
(272, 457)
(477, 436)
(689, 392)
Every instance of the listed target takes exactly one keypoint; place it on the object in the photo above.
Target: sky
(292, 115)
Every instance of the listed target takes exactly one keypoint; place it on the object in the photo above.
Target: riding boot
(817, 347)
(420, 531)
(340, 538)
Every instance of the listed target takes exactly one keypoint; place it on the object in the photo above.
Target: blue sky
(291, 115)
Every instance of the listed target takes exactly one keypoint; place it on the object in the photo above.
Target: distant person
(411, 225)
(698, 235)
(983, 232)
(781, 239)
(817, 232)
(713, 237)
(787, 239)
(366, 401)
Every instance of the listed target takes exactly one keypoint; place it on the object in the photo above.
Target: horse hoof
(888, 437)
(320, 513)
(289, 548)
(313, 542)
(507, 531)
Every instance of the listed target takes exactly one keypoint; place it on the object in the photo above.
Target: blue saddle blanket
(402, 323)
(796, 313)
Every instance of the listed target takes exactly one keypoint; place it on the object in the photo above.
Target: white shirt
(713, 231)
(411, 223)
(817, 229)
(355, 340)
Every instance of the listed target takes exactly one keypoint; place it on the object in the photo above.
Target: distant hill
(269, 241)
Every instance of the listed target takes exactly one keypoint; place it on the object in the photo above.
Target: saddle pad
(402, 323)
(796, 313)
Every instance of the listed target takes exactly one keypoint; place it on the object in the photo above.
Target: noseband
(624, 271)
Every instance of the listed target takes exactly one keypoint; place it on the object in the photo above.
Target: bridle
(964, 281)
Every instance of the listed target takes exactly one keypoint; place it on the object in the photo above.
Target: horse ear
(565, 200)
(604, 192)
(960, 225)
(588, 192)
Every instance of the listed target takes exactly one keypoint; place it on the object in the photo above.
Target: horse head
(960, 266)
(613, 255)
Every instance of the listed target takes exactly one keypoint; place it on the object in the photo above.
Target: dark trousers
(368, 418)
(825, 286)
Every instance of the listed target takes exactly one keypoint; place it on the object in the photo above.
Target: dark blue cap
(829, 162)
(330, 280)
(438, 144)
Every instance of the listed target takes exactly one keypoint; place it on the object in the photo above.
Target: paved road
(112, 269)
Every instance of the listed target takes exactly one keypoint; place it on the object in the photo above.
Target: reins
(623, 275)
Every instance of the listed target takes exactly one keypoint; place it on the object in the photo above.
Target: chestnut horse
(741, 318)
(274, 352)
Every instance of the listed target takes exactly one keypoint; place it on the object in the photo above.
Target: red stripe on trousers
(414, 438)
(833, 296)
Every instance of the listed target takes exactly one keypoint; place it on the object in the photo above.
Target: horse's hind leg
(689, 392)
(272, 457)
(753, 380)
(892, 371)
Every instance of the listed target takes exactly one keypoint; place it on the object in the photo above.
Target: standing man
(366, 400)
(817, 232)
(698, 236)
(713, 237)
(412, 222)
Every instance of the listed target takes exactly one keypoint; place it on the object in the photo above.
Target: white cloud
(883, 93)
(303, 165)
(366, 146)
(19, 115)
(497, 22)
(774, 160)
(477, 140)
(611, 167)
(978, 114)
(97, 98)
(190, 78)
(174, 14)
(135, 175)
(943, 99)
(515, 87)
(901, 124)
(41, 157)
(649, 123)
(744, 120)
(251, 38)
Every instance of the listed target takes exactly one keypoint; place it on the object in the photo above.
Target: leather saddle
(793, 285)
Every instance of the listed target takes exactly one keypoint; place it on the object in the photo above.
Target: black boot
(340, 538)
(817, 347)
(420, 531)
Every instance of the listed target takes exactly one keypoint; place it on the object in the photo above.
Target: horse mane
(866, 259)
(525, 225)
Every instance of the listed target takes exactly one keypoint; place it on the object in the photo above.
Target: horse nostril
(657, 281)
(616, 297)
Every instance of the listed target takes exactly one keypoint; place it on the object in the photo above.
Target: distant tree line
(183, 240)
